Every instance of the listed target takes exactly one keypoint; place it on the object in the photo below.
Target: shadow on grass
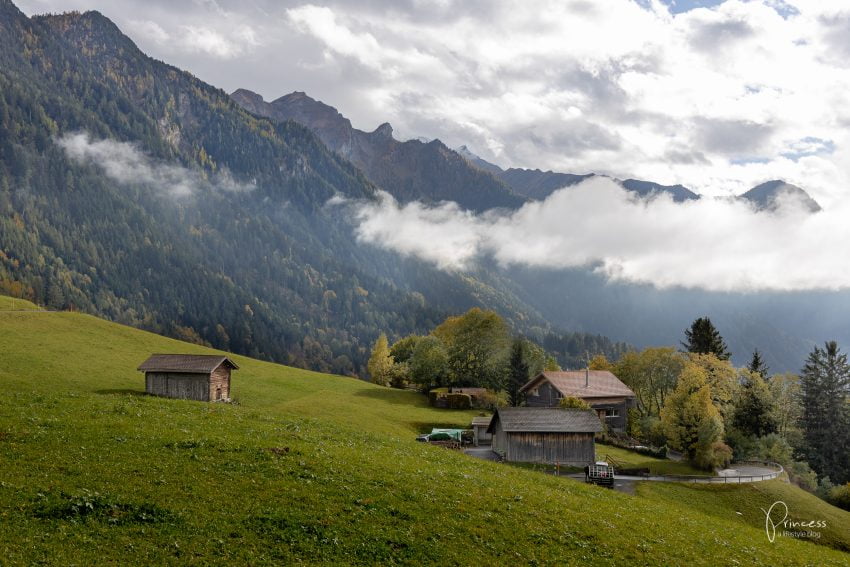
(121, 392)
(397, 397)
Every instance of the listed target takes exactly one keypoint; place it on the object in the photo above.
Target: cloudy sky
(715, 95)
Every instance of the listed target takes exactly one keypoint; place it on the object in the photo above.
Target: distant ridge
(769, 195)
(411, 170)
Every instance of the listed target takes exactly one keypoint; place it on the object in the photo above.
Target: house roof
(481, 420)
(600, 384)
(188, 363)
(546, 420)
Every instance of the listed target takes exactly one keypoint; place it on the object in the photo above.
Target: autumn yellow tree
(691, 421)
(381, 362)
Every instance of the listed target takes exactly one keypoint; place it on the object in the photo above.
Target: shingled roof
(188, 363)
(600, 384)
(546, 420)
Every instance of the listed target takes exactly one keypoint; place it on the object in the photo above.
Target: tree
(573, 403)
(652, 375)
(785, 390)
(429, 363)
(757, 364)
(478, 347)
(600, 362)
(691, 422)
(703, 338)
(402, 349)
(722, 380)
(754, 408)
(518, 372)
(825, 421)
(381, 362)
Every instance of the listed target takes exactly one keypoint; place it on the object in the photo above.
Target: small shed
(479, 430)
(545, 435)
(201, 377)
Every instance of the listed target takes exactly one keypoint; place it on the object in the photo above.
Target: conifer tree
(703, 338)
(755, 407)
(518, 369)
(825, 421)
(758, 365)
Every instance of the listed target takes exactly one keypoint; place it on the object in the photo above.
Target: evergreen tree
(825, 421)
(757, 364)
(755, 408)
(703, 338)
(518, 369)
(381, 362)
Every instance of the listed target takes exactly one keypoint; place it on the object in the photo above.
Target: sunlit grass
(305, 468)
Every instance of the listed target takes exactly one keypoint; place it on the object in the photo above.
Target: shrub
(459, 401)
(801, 474)
(490, 400)
(774, 448)
(840, 496)
(573, 403)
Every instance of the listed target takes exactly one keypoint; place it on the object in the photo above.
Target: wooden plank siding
(178, 385)
(573, 449)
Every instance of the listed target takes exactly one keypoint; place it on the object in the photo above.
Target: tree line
(697, 402)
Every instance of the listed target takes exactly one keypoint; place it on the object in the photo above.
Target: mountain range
(132, 190)
(576, 299)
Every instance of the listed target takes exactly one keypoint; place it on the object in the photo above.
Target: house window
(612, 412)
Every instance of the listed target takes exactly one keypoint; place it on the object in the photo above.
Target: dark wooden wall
(178, 385)
(574, 449)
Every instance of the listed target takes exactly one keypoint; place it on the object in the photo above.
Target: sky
(716, 95)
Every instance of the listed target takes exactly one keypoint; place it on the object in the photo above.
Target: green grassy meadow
(306, 468)
(632, 459)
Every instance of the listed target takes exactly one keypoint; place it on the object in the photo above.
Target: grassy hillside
(746, 502)
(306, 468)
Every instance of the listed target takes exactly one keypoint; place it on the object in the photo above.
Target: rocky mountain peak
(385, 130)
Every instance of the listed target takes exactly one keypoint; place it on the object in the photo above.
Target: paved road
(740, 473)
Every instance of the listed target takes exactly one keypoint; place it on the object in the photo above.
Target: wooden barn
(603, 391)
(545, 435)
(201, 377)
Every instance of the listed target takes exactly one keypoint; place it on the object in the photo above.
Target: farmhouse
(199, 377)
(480, 424)
(603, 391)
(545, 435)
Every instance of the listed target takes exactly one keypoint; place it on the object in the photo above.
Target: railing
(724, 479)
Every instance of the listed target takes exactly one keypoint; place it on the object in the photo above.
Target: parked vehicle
(600, 473)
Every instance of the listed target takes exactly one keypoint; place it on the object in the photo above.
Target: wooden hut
(545, 435)
(480, 424)
(199, 377)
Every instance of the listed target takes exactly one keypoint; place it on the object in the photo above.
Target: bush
(573, 403)
(459, 401)
(840, 496)
(774, 448)
(801, 474)
(490, 400)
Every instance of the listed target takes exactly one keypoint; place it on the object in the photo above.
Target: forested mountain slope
(131, 189)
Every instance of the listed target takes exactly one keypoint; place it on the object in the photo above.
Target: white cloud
(126, 164)
(717, 99)
(218, 44)
(710, 244)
